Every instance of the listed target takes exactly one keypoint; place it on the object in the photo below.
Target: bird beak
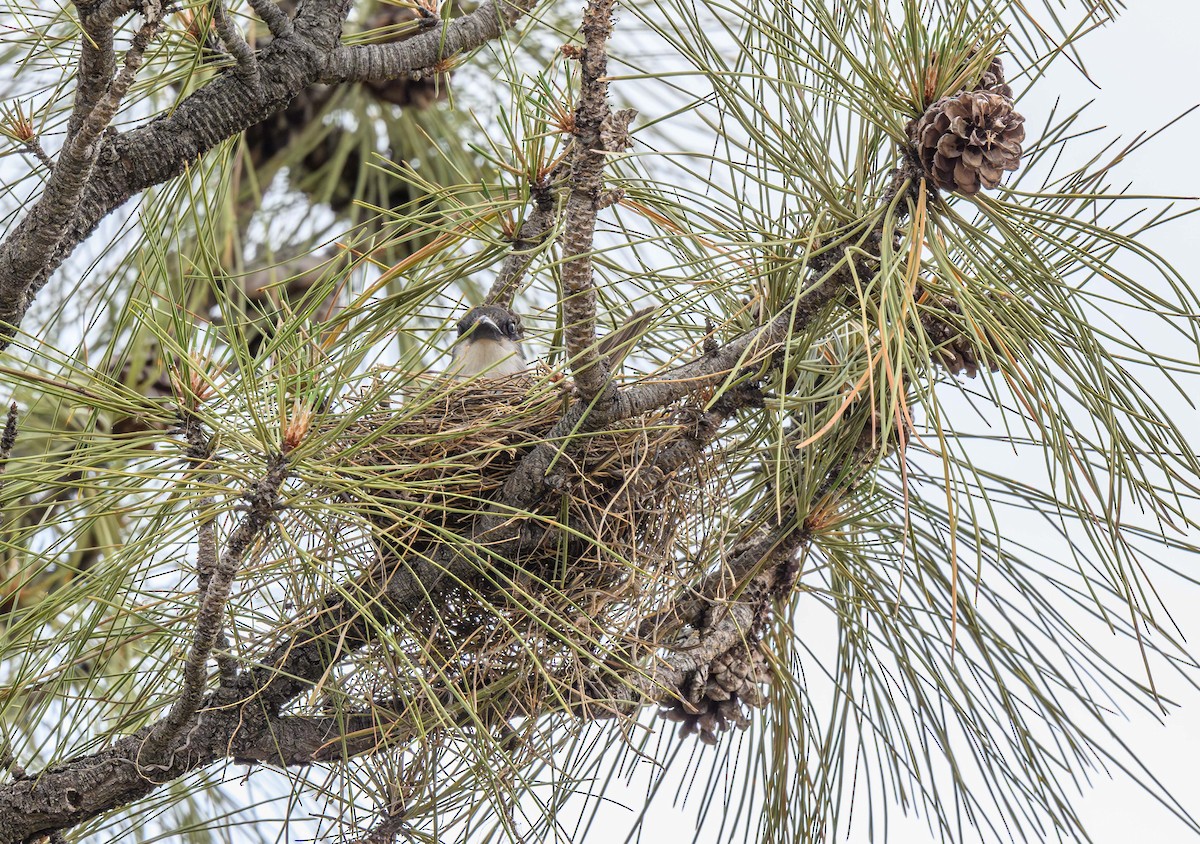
(485, 328)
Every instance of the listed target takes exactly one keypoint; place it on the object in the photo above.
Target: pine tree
(788, 273)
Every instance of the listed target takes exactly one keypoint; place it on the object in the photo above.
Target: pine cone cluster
(966, 141)
(719, 696)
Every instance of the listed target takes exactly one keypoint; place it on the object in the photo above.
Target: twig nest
(426, 471)
(967, 141)
(581, 564)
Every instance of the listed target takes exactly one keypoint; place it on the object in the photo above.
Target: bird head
(489, 343)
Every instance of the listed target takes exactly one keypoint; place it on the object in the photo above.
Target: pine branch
(586, 185)
(382, 62)
(94, 176)
(227, 31)
(217, 586)
(97, 61)
(533, 232)
(277, 21)
(27, 252)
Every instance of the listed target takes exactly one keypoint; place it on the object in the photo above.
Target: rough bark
(119, 165)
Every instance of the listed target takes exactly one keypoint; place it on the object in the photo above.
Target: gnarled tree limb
(586, 182)
(117, 166)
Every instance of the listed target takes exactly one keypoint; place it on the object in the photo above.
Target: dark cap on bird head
(491, 322)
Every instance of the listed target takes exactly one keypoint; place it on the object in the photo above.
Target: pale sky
(1145, 67)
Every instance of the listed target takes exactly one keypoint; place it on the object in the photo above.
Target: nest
(596, 552)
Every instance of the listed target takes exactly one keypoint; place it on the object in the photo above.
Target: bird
(616, 346)
(489, 344)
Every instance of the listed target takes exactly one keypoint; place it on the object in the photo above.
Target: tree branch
(8, 439)
(586, 181)
(297, 740)
(97, 61)
(381, 62)
(27, 251)
(200, 453)
(119, 166)
(210, 622)
(532, 233)
(227, 31)
(277, 21)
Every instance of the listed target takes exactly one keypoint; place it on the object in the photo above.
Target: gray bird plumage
(617, 345)
(489, 344)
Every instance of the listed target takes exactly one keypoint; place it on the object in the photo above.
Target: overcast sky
(1145, 67)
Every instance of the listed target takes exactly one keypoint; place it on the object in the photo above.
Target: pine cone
(955, 350)
(993, 80)
(718, 696)
(966, 141)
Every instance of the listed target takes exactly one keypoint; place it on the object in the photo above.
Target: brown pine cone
(966, 141)
(718, 697)
(993, 80)
(956, 348)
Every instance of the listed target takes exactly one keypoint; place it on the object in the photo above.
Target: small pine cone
(754, 697)
(958, 349)
(720, 696)
(729, 712)
(674, 712)
(993, 80)
(965, 142)
(694, 691)
(721, 689)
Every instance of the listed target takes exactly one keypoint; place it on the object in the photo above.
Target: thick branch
(296, 740)
(122, 165)
(380, 62)
(277, 21)
(27, 251)
(586, 182)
